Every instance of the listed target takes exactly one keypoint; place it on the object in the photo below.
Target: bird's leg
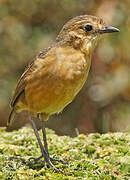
(38, 139)
(46, 146)
(44, 138)
(44, 153)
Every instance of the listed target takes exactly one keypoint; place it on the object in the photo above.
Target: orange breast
(55, 80)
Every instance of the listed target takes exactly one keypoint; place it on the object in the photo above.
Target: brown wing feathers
(20, 88)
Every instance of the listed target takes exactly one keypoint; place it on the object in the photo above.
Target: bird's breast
(58, 81)
(70, 64)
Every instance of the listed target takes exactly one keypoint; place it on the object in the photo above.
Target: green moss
(93, 157)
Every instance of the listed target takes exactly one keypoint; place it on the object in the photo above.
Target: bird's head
(84, 31)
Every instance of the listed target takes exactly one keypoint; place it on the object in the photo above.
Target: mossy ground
(92, 157)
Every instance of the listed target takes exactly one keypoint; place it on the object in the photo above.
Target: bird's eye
(88, 28)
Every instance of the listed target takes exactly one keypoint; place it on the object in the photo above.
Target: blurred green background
(28, 26)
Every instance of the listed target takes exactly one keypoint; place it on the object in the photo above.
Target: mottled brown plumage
(56, 75)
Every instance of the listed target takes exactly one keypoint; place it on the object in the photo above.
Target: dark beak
(108, 29)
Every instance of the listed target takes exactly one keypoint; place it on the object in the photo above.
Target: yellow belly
(53, 97)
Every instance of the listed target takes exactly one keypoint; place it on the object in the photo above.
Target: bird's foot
(48, 161)
(51, 159)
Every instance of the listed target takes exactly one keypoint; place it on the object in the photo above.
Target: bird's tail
(11, 117)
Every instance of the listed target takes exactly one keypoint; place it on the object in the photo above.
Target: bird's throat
(88, 45)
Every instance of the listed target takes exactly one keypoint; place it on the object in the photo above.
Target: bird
(57, 74)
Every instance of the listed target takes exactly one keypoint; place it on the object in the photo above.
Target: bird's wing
(21, 83)
(20, 87)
